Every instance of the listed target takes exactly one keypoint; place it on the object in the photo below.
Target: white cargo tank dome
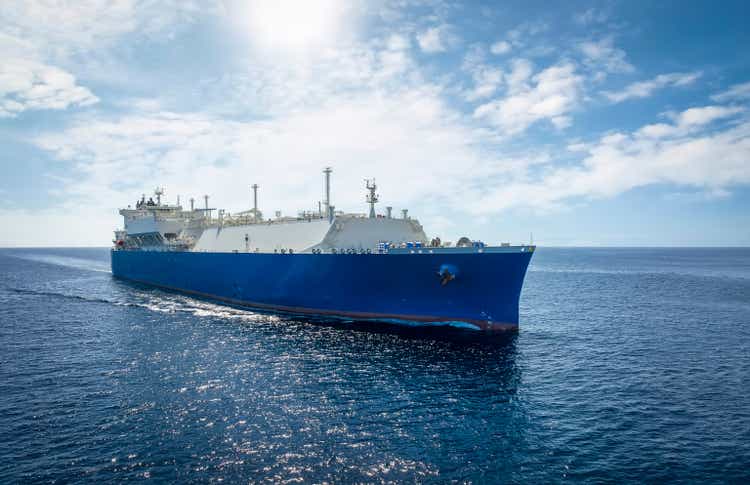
(366, 232)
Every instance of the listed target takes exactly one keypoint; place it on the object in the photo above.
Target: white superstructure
(152, 225)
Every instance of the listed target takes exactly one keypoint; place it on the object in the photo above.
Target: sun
(295, 25)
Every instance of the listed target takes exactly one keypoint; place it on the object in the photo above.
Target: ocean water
(631, 365)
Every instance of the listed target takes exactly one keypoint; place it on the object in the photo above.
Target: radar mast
(372, 197)
(158, 192)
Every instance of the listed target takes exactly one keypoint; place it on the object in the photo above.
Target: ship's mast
(255, 202)
(372, 197)
(327, 190)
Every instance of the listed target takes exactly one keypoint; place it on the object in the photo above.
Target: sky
(616, 123)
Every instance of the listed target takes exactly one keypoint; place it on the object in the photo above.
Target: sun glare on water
(295, 25)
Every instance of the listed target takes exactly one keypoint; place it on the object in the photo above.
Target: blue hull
(396, 288)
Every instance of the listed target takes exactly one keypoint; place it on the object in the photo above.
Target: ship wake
(160, 303)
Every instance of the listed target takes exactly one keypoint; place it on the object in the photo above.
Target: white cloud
(552, 94)
(269, 88)
(643, 89)
(27, 82)
(736, 92)
(29, 85)
(436, 39)
(519, 35)
(486, 82)
(679, 154)
(689, 121)
(64, 29)
(521, 71)
(500, 47)
(602, 56)
(398, 42)
(590, 16)
(42, 42)
(705, 115)
(486, 77)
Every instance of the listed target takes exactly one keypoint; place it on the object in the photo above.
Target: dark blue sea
(631, 365)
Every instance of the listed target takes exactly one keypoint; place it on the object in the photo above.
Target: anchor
(447, 273)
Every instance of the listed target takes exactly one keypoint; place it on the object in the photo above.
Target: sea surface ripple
(631, 365)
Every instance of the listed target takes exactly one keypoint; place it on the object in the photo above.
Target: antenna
(372, 197)
(531, 239)
(327, 188)
(158, 192)
(255, 202)
(178, 200)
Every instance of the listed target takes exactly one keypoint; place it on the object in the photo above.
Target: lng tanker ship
(323, 262)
